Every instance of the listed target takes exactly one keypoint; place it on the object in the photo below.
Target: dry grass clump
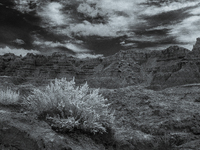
(68, 107)
(8, 97)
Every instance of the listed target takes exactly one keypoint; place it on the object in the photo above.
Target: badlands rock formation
(155, 69)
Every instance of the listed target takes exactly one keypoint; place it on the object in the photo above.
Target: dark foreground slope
(167, 119)
(156, 69)
(23, 131)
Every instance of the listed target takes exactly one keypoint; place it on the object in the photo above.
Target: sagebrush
(70, 107)
(9, 96)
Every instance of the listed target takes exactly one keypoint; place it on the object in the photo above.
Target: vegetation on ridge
(9, 96)
(143, 118)
(68, 107)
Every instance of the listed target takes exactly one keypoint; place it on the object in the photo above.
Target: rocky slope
(147, 119)
(170, 116)
(23, 131)
(167, 119)
(156, 69)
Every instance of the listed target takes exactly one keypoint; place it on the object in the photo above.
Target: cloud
(187, 31)
(24, 5)
(88, 10)
(88, 29)
(158, 47)
(107, 18)
(164, 46)
(117, 17)
(146, 38)
(87, 55)
(161, 27)
(187, 46)
(76, 48)
(132, 19)
(167, 7)
(19, 41)
(73, 47)
(194, 11)
(124, 44)
(112, 6)
(80, 52)
(16, 51)
(52, 14)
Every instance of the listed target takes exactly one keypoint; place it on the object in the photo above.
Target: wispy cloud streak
(16, 51)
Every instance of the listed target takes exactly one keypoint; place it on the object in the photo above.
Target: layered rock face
(196, 47)
(156, 69)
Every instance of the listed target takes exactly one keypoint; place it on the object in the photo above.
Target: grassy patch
(8, 97)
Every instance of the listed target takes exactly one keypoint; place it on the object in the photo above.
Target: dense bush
(68, 107)
(8, 97)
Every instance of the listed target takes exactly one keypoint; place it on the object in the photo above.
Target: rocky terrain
(167, 119)
(155, 69)
(155, 95)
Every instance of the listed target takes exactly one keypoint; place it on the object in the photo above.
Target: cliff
(196, 47)
(155, 69)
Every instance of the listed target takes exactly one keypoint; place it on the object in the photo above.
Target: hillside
(155, 69)
(146, 119)
(155, 95)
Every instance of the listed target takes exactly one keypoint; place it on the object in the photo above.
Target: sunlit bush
(8, 97)
(68, 107)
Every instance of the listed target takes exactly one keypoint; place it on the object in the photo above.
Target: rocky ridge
(155, 69)
(147, 119)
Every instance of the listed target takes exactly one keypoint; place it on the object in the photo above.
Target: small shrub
(8, 97)
(68, 107)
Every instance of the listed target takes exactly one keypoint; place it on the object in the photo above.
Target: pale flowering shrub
(9, 96)
(67, 107)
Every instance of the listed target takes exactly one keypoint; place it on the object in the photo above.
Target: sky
(93, 28)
